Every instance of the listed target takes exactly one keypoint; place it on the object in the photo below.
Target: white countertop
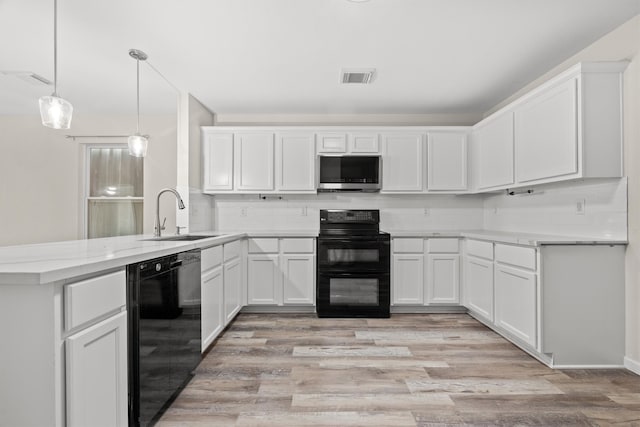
(49, 262)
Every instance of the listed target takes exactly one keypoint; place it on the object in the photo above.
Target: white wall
(551, 209)
(622, 43)
(41, 174)
(397, 212)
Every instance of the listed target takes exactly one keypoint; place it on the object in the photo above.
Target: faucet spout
(158, 228)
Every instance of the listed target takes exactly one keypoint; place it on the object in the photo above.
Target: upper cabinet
(495, 157)
(446, 161)
(403, 162)
(361, 142)
(295, 162)
(217, 156)
(568, 128)
(254, 161)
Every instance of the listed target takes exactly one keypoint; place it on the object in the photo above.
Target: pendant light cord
(138, 95)
(55, 48)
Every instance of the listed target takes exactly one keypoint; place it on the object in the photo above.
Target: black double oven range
(353, 273)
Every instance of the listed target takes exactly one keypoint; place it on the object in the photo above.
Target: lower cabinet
(426, 271)
(96, 374)
(281, 271)
(515, 298)
(212, 289)
(232, 289)
(479, 286)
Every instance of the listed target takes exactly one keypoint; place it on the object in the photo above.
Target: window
(114, 192)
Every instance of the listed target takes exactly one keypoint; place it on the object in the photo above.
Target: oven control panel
(361, 216)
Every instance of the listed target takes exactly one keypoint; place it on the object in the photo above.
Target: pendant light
(138, 143)
(55, 111)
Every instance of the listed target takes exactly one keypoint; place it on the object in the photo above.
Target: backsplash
(553, 209)
(301, 212)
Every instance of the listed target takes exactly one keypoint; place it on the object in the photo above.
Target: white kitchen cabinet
(212, 289)
(298, 271)
(446, 161)
(408, 279)
(443, 279)
(264, 279)
(281, 271)
(516, 302)
(331, 142)
(364, 142)
(546, 131)
(295, 162)
(479, 286)
(96, 374)
(217, 161)
(232, 289)
(402, 162)
(254, 161)
(494, 141)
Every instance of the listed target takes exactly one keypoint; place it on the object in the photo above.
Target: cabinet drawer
(297, 246)
(92, 298)
(480, 249)
(519, 256)
(408, 245)
(443, 246)
(262, 246)
(210, 258)
(231, 250)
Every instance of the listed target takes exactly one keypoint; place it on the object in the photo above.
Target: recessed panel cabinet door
(254, 160)
(408, 279)
(516, 302)
(232, 289)
(264, 280)
(495, 148)
(96, 372)
(447, 161)
(546, 134)
(212, 305)
(298, 279)
(443, 278)
(402, 162)
(479, 287)
(295, 162)
(217, 155)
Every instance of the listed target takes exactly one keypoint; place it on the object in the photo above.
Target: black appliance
(349, 173)
(353, 273)
(164, 332)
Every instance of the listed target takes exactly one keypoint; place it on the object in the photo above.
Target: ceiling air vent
(361, 75)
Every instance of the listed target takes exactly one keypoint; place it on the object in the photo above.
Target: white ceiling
(285, 56)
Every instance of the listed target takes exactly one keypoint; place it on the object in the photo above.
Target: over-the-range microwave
(349, 173)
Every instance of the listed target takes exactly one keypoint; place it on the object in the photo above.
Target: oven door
(352, 254)
(353, 294)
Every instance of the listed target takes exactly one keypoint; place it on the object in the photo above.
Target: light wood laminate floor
(409, 370)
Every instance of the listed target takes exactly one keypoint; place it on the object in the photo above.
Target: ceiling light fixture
(138, 143)
(55, 112)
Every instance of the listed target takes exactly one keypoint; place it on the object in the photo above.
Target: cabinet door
(212, 305)
(495, 152)
(447, 161)
(364, 142)
(96, 371)
(479, 287)
(298, 279)
(443, 279)
(331, 142)
(232, 290)
(402, 162)
(217, 158)
(254, 158)
(546, 134)
(295, 162)
(516, 306)
(408, 279)
(264, 280)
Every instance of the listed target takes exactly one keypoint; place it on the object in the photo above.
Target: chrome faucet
(158, 228)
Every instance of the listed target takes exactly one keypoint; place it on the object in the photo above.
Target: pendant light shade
(55, 112)
(138, 143)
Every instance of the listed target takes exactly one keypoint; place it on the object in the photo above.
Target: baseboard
(278, 309)
(632, 365)
(421, 309)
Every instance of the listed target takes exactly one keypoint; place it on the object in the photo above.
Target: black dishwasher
(164, 332)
